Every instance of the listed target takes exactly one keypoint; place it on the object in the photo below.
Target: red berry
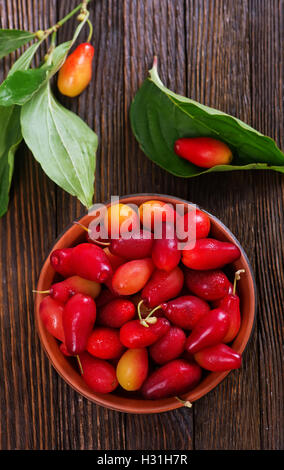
(90, 262)
(195, 220)
(60, 260)
(105, 343)
(154, 213)
(63, 290)
(76, 72)
(185, 311)
(203, 151)
(231, 303)
(121, 219)
(135, 246)
(135, 335)
(51, 312)
(79, 316)
(162, 286)
(98, 374)
(218, 358)
(209, 253)
(209, 285)
(174, 378)
(165, 253)
(210, 330)
(116, 313)
(169, 347)
(131, 277)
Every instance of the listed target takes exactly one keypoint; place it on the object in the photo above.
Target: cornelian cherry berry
(60, 260)
(132, 276)
(210, 330)
(98, 374)
(137, 246)
(116, 313)
(132, 369)
(162, 286)
(209, 253)
(105, 343)
(169, 347)
(153, 213)
(134, 334)
(90, 262)
(79, 316)
(185, 311)
(231, 303)
(51, 312)
(120, 218)
(166, 254)
(76, 72)
(195, 220)
(218, 358)
(62, 291)
(203, 151)
(174, 378)
(208, 285)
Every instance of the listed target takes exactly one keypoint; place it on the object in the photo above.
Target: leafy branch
(60, 141)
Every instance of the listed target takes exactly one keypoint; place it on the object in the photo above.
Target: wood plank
(26, 233)
(153, 27)
(101, 106)
(218, 76)
(267, 43)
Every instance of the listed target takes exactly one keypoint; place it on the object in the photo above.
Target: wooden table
(224, 53)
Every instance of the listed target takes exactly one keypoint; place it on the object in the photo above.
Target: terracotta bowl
(246, 288)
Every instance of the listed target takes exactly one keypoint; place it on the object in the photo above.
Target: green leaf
(62, 143)
(10, 137)
(19, 87)
(25, 59)
(159, 117)
(21, 82)
(12, 39)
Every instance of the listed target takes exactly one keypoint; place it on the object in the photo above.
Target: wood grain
(223, 53)
(267, 44)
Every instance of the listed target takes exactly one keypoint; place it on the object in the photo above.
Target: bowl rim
(153, 406)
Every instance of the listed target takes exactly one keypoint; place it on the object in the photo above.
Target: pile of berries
(141, 314)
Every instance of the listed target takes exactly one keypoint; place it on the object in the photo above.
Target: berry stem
(149, 319)
(80, 365)
(55, 27)
(41, 291)
(185, 403)
(90, 30)
(154, 310)
(237, 278)
(82, 226)
(88, 231)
